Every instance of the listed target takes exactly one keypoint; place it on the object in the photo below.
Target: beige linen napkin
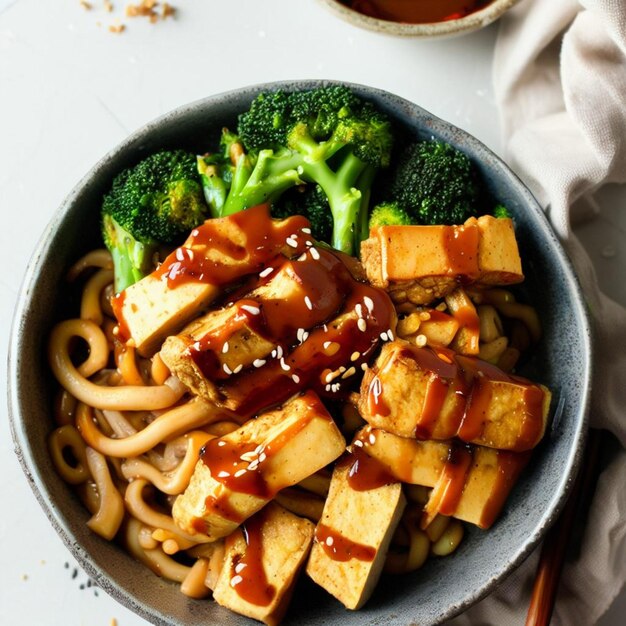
(560, 82)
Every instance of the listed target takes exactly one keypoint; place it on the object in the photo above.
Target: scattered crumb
(108, 6)
(117, 28)
(86, 5)
(24, 576)
(154, 10)
(168, 10)
(113, 622)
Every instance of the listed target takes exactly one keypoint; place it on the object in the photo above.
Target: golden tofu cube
(240, 472)
(429, 394)
(485, 487)
(261, 567)
(352, 538)
(499, 262)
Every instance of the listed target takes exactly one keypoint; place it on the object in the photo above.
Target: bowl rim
(426, 30)
(36, 478)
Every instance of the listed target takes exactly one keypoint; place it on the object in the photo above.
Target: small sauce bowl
(419, 18)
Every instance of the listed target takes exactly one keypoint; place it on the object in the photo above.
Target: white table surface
(70, 90)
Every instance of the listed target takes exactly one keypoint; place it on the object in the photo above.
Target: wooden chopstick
(555, 544)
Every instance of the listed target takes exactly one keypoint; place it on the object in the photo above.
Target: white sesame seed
(326, 344)
(300, 334)
(253, 310)
(239, 473)
(224, 347)
(295, 378)
(354, 356)
(239, 567)
(421, 341)
(221, 443)
(306, 231)
(253, 465)
(327, 388)
(372, 440)
(238, 368)
(223, 474)
(273, 353)
(266, 272)
(383, 336)
(390, 334)
(325, 328)
(248, 456)
(335, 387)
(190, 253)
(362, 324)
(330, 377)
(315, 254)
(342, 369)
(259, 449)
(369, 303)
(364, 367)
(195, 232)
(292, 242)
(359, 310)
(284, 365)
(309, 304)
(179, 254)
(197, 345)
(227, 369)
(329, 541)
(279, 352)
(258, 362)
(262, 457)
(235, 580)
(358, 443)
(305, 336)
(309, 243)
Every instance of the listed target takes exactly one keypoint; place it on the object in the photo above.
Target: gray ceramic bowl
(449, 28)
(443, 587)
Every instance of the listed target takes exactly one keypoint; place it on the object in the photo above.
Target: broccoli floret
(326, 136)
(501, 211)
(388, 214)
(435, 184)
(149, 205)
(310, 201)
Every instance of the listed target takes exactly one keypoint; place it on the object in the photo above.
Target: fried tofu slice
(436, 394)
(244, 334)
(353, 537)
(481, 488)
(423, 263)
(219, 252)
(237, 474)
(262, 565)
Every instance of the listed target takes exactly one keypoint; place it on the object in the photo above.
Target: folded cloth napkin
(560, 82)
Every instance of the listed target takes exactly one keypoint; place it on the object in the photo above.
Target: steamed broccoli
(326, 136)
(501, 211)
(388, 214)
(149, 205)
(310, 201)
(434, 183)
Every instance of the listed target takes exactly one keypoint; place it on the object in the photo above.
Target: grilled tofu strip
(262, 565)
(352, 538)
(423, 263)
(470, 483)
(436, 394)
(244, 333)
(237, 474)
(219, 252)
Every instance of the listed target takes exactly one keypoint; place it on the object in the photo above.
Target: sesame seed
(221, 443)
(390, 334)
(354, 356)
(259, 449)
(239, 567)
(227, 369)
(284, 365)
(253, 465)
(335, 387)
(329, 541)
(224, 347)
(359, 310)
(421, 341)
(315, 254)
(279, 352)
(309, 304)
(197, 345)
(330, 377)
(306, 231)
(223, 474)
(369, 303)
(238, 368)
(266, 272)
(240, 473)
(248, 456)
(258, 362)
(364, 367)
(195, 232)
(262, 457)
(358, 443)
(372, 440)
(179, 254)
(362, 324)
(235, 580)
(383, 336)
(300, 334)
(273, 353)
(295, 378)
(349, 372)
(424, 316)
(327, 388)
(292, 242)
(253, 310)
(309, 244)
